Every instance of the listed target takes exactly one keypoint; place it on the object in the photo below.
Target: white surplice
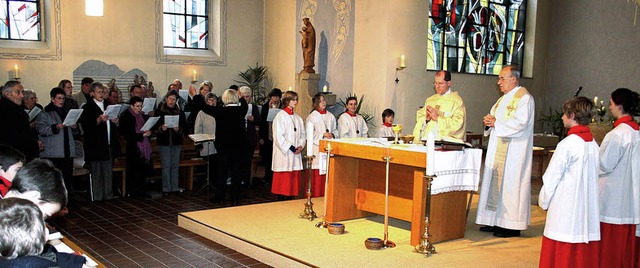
(570, 192)
(288, 130)
(385, 131)
(514, 208)
(619, 181)
(352, 127)
(321, 123)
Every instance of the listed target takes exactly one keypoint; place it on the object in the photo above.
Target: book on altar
(150, 123)
(113, 111)
(72, 117)
(197, 138)
(148, 104)
(272, 114)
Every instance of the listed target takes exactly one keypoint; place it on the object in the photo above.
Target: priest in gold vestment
(443, 113)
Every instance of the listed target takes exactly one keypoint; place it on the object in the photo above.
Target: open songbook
(451, 144)
(198, 138)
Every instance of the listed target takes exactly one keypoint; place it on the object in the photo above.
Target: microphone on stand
(577, 92)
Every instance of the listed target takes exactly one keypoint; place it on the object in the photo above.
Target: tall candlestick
(402, 62)
(16, 71)
(309, 139)
(195, 76)
(430, 154)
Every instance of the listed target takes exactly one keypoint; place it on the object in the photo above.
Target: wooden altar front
(356, 189)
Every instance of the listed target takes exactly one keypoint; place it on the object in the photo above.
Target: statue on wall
(308, 46)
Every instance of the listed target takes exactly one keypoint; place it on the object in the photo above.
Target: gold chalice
(396, 130)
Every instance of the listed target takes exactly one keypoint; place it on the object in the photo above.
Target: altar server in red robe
(325, 127)
(619, 183)
(288, 141)
(570, 193)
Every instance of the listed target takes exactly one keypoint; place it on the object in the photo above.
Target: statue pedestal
(306, 87)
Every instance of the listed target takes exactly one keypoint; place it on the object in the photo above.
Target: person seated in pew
(23, 237)
(11, 160)
(386, 130)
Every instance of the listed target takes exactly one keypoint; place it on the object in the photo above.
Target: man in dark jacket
(18, 133)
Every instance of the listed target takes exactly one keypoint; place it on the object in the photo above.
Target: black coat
(169, 136)
(17, 131)
(128, 131)
(50, 257)
(96, 145)
(252, 134)
(230, 130)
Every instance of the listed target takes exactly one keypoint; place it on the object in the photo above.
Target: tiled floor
(129, 232)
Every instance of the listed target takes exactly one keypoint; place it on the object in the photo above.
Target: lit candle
(309, 139)
(16, 71)
(290, 88)
(430, 153)
(324, 89)
(402, 63)
(595, 100)
(195, 75)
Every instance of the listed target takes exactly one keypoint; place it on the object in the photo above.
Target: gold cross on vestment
(510, 110)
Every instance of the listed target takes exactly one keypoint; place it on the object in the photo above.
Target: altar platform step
(273, 234)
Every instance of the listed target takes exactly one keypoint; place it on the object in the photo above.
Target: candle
(195, 75)
(16, 71)
(430, 153)
(595, 100)
(402, 63)
(309, 139)
(290, 88)
(324, 89)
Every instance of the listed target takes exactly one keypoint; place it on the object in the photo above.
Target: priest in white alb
(505, 196)
(443, 113)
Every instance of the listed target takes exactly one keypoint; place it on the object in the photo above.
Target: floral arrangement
(599, 112)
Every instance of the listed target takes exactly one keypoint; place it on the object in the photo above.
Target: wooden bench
(189, 160)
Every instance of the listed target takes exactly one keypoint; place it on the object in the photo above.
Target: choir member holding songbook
(59, 146)
(169, 139)
(619, 184)
(138, 147)
(266, 132)
(288, 141)
(570, 194)
(101, 142)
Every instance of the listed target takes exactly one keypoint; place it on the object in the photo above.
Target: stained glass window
(20, 20)
(186, 24)
(475, 36)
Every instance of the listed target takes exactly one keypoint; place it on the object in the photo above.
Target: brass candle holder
(425, 246)
(324, 223)
(308, 212)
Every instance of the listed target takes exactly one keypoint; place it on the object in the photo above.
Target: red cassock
(286, 183)
(618, 245)
(561, 254)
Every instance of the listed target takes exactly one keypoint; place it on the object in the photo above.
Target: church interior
(568, 45)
